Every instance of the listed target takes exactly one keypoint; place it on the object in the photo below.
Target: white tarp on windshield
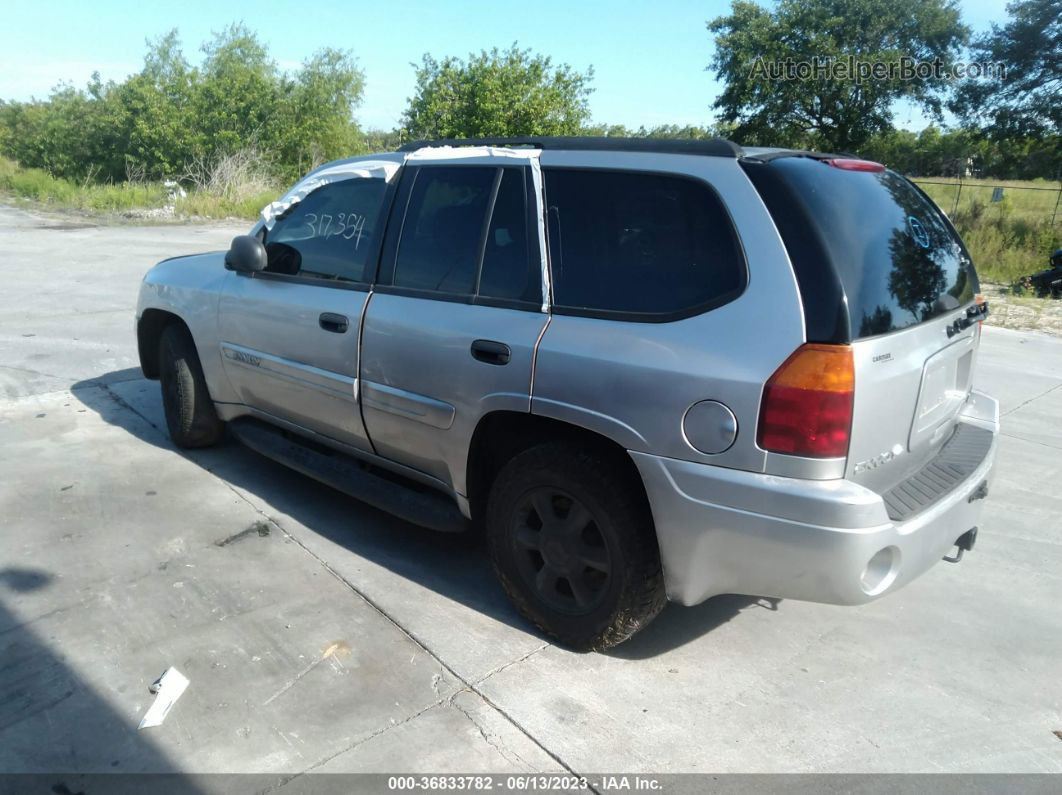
(366, 169)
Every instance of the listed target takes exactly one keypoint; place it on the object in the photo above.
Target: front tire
(190, 415)
(572, 541)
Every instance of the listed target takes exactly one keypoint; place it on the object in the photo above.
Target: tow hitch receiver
(965, 542)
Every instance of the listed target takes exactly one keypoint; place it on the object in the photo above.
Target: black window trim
(648, 317)
(399, 210)
(311, 281)
(372, 261)
(459, 298)
(822, 298)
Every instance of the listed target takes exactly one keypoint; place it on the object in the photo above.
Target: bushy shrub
(1004, 246)
(171, 119)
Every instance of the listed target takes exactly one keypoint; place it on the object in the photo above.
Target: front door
(451, 329)
(289, 335)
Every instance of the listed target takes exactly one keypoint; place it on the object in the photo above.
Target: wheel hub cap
(560, 551)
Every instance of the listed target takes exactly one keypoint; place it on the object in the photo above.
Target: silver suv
(647, 370)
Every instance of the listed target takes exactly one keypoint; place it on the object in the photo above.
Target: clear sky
(649, 58)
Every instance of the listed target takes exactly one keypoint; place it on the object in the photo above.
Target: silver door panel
(634, 381)
(410, 405)
(417, 361)
(334, 384)
(279, 359)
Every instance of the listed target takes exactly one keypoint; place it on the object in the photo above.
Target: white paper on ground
(167, 688)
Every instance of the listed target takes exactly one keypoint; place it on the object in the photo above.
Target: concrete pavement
(322, 635)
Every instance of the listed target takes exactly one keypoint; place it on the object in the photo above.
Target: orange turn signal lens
(827, 368)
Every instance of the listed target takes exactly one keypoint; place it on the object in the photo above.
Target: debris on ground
(259, 527)
(167, 689)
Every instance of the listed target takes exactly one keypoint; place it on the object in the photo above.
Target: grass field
(1008, 239)
(1030, 199)
(41, 187)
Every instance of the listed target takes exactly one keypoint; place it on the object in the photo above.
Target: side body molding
(410, 405)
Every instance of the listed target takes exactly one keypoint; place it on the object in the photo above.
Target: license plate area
(946, 384)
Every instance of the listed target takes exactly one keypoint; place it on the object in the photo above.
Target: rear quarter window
(639, 246)
(897, 258)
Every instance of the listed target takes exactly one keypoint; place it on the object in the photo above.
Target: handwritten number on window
(349, 226)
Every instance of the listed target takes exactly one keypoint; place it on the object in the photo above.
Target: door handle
(491, 352)
(337, 324)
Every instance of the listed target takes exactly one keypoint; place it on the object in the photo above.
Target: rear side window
(329, 234)
(465, 232)
(650, 246)
(896, 257)
(439, 247)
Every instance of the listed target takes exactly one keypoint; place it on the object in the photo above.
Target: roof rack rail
(713, 147)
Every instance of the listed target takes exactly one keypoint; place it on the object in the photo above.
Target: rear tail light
(807, 403)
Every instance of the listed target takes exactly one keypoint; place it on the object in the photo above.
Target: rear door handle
(491, 352)
(337, 324)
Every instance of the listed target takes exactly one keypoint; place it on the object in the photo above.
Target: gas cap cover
(710, 427)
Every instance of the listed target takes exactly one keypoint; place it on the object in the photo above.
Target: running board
(430, 509)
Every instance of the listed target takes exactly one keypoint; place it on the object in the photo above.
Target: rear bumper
(729, 531)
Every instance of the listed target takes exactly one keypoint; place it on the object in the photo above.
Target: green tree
(237, 94)
(835, 114)
(497, 93)
(172, 120)
(317, 112)
(152, 118)
(1026, 99)
(60, 134)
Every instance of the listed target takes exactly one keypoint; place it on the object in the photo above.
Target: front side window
(639, 244)
(329, 234)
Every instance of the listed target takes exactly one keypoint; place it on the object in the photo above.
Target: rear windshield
(898, 260)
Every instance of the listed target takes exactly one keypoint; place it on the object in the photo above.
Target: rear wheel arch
(501, 435)
(148, 335)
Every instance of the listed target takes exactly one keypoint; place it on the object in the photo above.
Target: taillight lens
(807, 403)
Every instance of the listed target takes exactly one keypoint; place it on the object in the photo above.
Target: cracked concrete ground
(322, 635)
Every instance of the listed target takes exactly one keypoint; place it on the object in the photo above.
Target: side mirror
(246, 255)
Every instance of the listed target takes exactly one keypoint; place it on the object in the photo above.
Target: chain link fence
(1010, 227)
(1028, 200)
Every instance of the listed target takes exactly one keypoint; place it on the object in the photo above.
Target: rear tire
(190, 415)
(571, 538)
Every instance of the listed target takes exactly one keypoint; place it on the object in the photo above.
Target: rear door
(450, 332)
(289, 335)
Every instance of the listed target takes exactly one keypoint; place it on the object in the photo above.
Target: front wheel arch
(148, 335)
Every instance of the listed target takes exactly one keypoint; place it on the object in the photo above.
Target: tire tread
(643, 596)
